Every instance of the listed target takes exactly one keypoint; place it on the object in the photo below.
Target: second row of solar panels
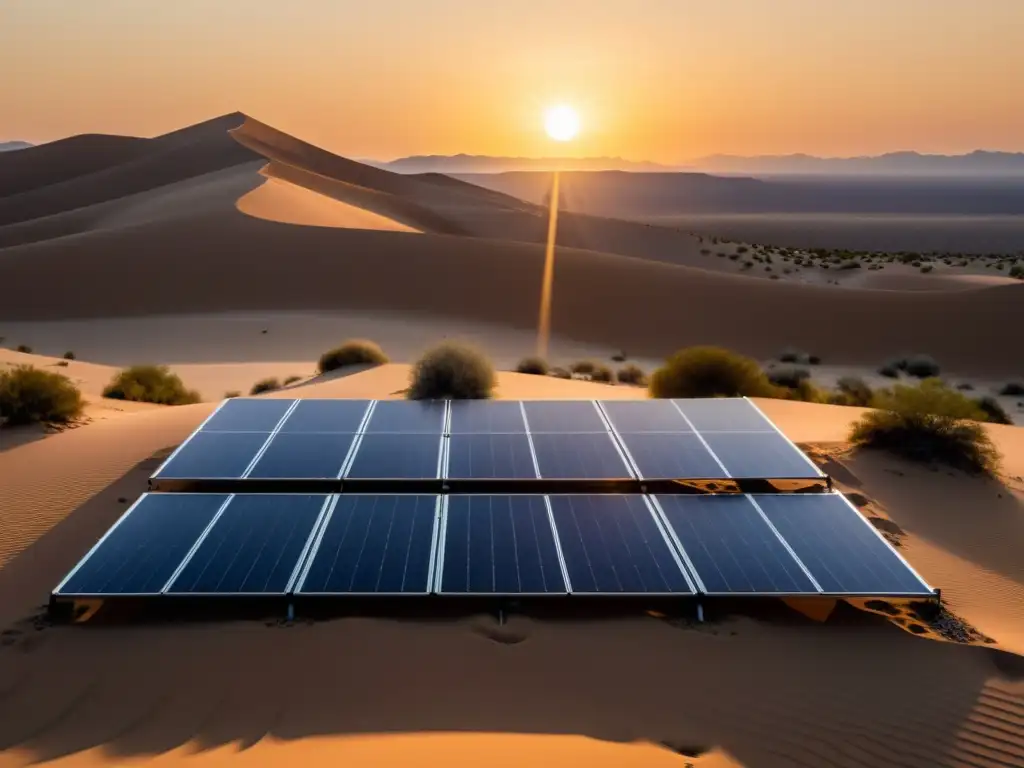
(367, 544)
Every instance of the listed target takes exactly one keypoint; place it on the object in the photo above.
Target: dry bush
(921, 367)
(533, 365)
(291, 380)
(789, 376)
(1013, 389)
(265, 385)
(352, 352)
(631, 374)
(232, 393)
(24, 348)
(994, 412)
(709, 372)
(150, 384)
(29, 395)
(69, 355)
(583, 366)
(560, 373)
(852, 390)
(602, 374)
(451, 370)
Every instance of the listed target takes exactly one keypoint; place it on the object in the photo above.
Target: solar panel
(326, 416)
(613, 545)
(579, 457)
(730, 547)
(486, 416)
(499, 545)
(563, 416)
(391, 456)
(214, 455)
(644, 416)
(142, 550)
(303, 455)
(254, 547)
(724, 414)
(490, 456)
(841, 550)
(241, 414)
(760, 455)
(374, 544)
(422, 416)
(671, 455)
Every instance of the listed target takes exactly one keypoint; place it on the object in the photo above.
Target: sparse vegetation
(709, 372)
(451, 370)
(929, 423)
(24, 348)
(891, 369)
(29, 395)
(150, 384)
(927, 268)
(534, 365)
(793, 355)
(69, 355)
(789, 376)
(852, 390)
(602, 373)
(994, 412)
(631, 374)
(352, 352)
(265, 385)
(921, 367)
(585, 367)
(232, 393)
(291, 380)
(560, 373)
(1012, 389)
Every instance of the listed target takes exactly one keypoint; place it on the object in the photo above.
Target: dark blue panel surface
(487, 416)
(241, 414)
(723, 414)
(495, 456)
(407, 416)
(301, 455)
(579, 457)
(612, 545)
(375, 544)
(500, 545)
(731, 547)
(141, 552)
(215, 455)
(645, 416)
(765, 455)
(671, 456)
(326, 416)
(838, 546)
(253, 548)
(563, 416)
(404, 457)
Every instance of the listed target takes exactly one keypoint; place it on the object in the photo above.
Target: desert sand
(231, 252)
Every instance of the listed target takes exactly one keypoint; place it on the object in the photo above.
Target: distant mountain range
(975, 164)
(10, 146)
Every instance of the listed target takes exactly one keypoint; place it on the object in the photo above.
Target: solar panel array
(389, 522)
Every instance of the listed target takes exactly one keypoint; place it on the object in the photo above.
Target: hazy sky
(664, 80)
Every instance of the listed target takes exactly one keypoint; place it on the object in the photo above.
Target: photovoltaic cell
(644, 416)
(140, 553)
(563, 416)
(838, 546)
(486, 416)
(731, 547)
(407, 416)
(501, 545)
(579, 457)
(212, 455)
(671, 455)
(241, 414)
(613, 545)
(374, 544)
(253, 548)
(395, 456)
(303, 455)
(764, 455)
(326, 416)
(490, 456)
(723, 414)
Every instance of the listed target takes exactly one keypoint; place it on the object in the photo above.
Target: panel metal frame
(317, 539)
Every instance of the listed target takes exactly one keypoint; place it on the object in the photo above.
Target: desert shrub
(1013, 388)
(603, 374)
(709, 372)
(69, 355)
(232, 393)
(889, 370)
(789, 376)
(451, 370)
(814, 359)
(150, 384)
(993, 411)
(631, 374)
(619, 357)
(61, 363)
(965, 386)
(29, 395)
(921, 367)
(852, 390)
(1017, 270)
(534, 365)
(805, 391)
(291, 380)
(742, 249)
(850, 264)
(705, 251)
(927, 268)
(24, 348)
(265, 385)
(793, 355)
(928, 422)
(583, 366)
(352, 352)
(560, 373)
(734, 256)
(773, 277)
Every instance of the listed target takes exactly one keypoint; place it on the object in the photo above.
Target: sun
(562, 123)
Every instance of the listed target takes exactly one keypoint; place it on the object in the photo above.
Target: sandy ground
(738, 691)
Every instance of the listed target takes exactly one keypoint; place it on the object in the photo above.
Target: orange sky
(664, 80)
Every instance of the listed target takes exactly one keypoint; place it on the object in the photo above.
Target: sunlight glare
(562, 123)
